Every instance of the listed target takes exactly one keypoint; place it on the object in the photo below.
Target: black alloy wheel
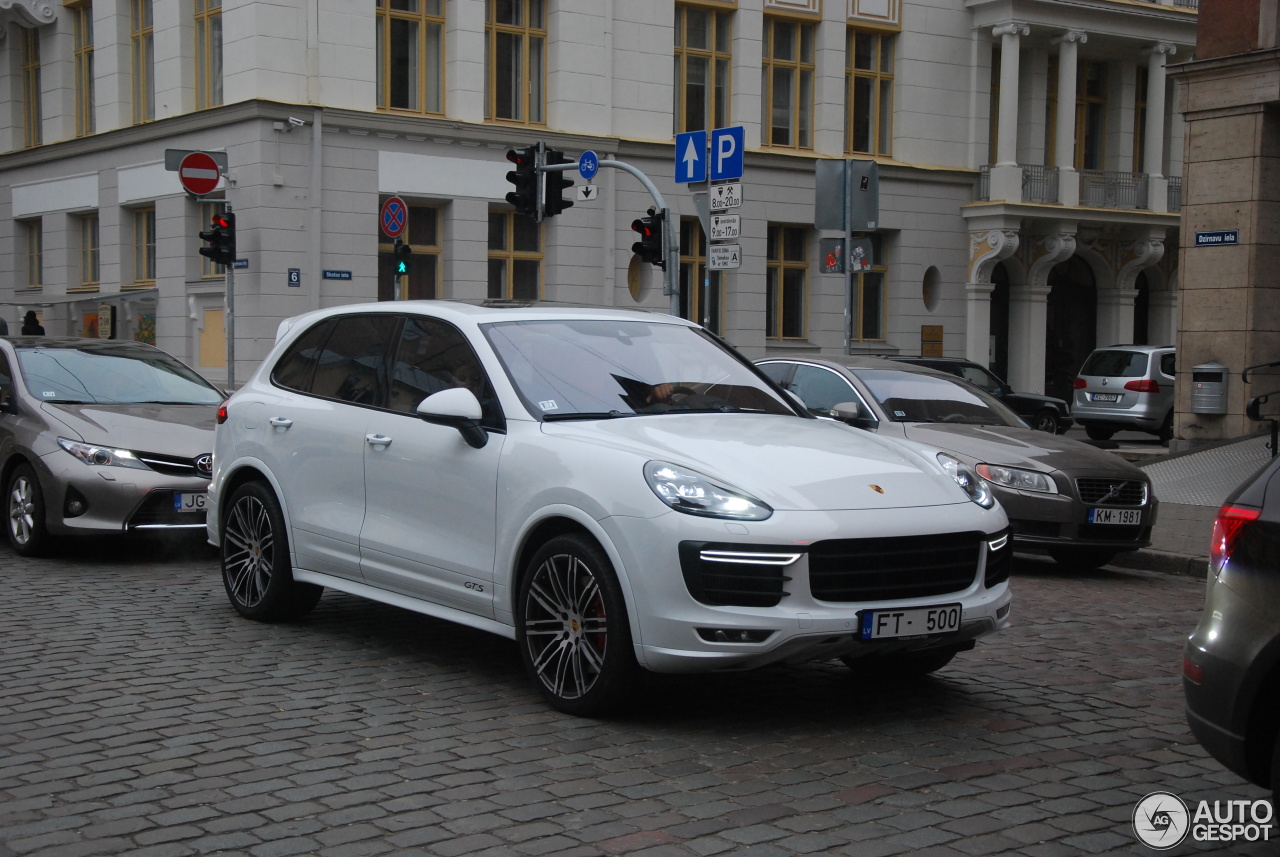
(1045, 420)
(572, 628)
(256, 570)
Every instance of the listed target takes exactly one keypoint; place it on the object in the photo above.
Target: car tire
(256, 570)
(571, 628)
(903, 666)
(1166, 428)
(28, 534)
(1045, 420)
(1083, 559)
(1099, 432)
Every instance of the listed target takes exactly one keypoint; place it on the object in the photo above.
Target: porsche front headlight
(690, 492)
(973, 484)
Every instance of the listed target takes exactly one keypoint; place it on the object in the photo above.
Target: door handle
(280, 422)
(377, 440)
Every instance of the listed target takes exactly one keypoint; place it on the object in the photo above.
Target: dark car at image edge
(1231, 664)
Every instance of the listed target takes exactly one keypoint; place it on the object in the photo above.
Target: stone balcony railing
(1113, 189)
(1096, 188)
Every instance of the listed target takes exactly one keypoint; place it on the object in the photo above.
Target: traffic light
(221, 238)
(649, 247)
(525, 178)
(402, 253)
(553, 201)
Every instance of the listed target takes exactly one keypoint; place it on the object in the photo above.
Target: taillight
(1192, 670)
(1143, 386)
(1081, 384)
(1231, 523)
(222, 412)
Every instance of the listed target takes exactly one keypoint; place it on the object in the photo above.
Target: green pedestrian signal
(402, 253)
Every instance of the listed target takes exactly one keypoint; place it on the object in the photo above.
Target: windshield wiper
(586, 415)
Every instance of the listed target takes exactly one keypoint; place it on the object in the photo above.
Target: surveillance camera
(297, 123)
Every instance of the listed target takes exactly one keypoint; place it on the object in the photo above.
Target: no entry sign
(394, 217)
(199, 173)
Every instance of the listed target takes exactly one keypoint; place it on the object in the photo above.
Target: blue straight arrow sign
(691, 157)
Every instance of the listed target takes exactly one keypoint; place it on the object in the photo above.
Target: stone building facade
(1029, 160)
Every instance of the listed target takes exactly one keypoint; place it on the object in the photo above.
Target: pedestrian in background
(31, 325)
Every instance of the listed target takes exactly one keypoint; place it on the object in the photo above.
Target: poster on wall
(89, 325)
(146, 328)
(106, 321)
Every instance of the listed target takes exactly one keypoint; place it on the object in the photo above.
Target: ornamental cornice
(31, 13)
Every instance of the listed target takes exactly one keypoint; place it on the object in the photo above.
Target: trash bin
(1209, 389)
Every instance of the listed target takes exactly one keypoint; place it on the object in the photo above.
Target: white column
(1064, 141)
(1153, 151)
(1006, 175)
(1115, 315)
(977, 336)
(1028, 321)
(1153, 146)
(1010, 52)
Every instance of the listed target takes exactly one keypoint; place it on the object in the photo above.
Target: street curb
(1164, 562)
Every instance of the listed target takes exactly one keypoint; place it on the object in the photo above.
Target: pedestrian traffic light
(649, 247)
(525, 178)
(557, 182)
(221, 238)
(402, 253)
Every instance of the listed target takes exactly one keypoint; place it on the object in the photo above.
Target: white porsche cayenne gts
(612, 489)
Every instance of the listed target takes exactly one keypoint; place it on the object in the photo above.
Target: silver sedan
(101, 436)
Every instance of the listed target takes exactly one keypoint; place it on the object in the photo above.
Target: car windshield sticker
(899, 413)
(49, 394)
(549, 405)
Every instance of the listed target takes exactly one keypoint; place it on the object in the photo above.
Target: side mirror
(855, 415)
(457, 407)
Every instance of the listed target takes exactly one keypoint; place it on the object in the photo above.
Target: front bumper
(1046, 521)
(114, 499)
(676, 632)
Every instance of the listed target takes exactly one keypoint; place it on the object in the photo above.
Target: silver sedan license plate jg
(1131, 517)
(911, 622)
(193, 502)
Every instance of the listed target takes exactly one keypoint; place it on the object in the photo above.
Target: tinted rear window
(1116, 364)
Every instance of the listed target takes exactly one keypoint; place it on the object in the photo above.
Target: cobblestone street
(140, 715)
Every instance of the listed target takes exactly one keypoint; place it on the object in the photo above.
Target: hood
(1019, 447)
(1039, 399)
(788, 462)
(182, 430)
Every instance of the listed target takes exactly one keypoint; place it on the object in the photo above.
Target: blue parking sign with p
(727, 146)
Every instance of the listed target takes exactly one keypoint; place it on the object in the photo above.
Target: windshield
(112, 375)
(909, 397)
(567, 369)
(1116, 364)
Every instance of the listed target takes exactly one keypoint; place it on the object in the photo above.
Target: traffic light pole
(671, 240)
(230, 313)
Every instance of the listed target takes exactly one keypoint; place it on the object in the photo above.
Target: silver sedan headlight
(103, 456)
(1017, 478)
(690, 492)
(973, 484)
